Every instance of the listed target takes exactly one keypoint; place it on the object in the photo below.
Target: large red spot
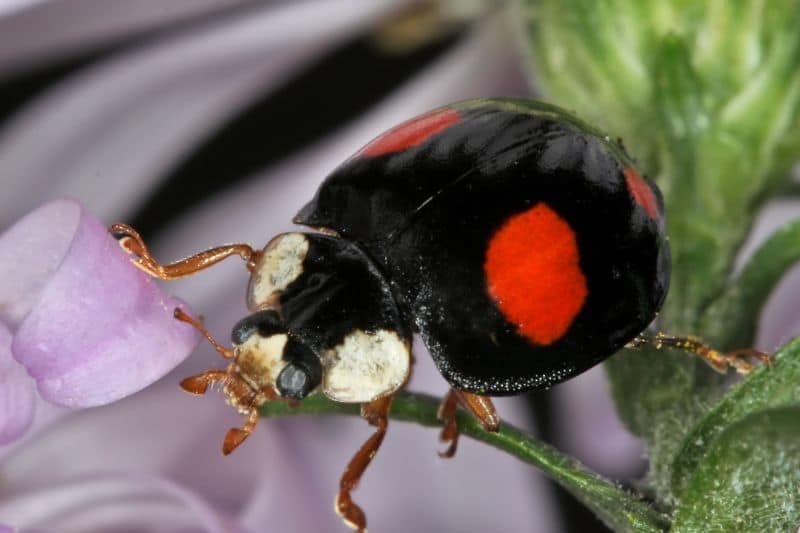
(641, 192)
(411, 133)
(533, 273)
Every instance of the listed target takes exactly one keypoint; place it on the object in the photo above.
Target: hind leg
(741, 360)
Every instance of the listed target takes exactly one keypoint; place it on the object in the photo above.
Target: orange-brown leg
(236, 436)
(447, 414)
(132, 243)
(199, 384)
(227, 353)
(238, 391)
(376, 413)
(481, 407)
(741, 360)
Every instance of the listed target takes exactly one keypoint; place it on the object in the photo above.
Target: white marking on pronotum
(280, 264)
(365, 366)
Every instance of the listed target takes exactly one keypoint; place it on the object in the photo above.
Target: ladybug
(521, 244)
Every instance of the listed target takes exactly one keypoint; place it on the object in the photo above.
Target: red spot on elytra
(411, 133)
(641, 192)
(533, 273)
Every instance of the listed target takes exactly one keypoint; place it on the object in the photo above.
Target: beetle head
(269, 358)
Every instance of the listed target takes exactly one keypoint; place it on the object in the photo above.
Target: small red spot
(533, 273)
(641, 192)
(412, 133)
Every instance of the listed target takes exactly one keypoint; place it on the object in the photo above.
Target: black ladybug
(521, 244)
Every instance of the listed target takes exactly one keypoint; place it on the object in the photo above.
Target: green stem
(619, 509)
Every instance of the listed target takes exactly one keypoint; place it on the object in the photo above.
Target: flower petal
(115, 502)
(35, 32)
(30, 253)
(132, 117)
(17, 399)
(178, 436)
(101, 328)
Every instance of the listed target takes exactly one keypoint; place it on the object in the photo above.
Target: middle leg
(481, 407)
(227, 353)
(447, 414)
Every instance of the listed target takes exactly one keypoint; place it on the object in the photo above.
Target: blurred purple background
(202, 122)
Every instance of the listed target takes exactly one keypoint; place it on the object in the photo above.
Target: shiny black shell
(424, 206)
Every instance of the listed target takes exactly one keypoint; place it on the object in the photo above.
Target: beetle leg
(447, 414)
(227, 353)
(239, 394)
(741, 360)
(236, 436)
(376, 413)
(481, 408)
(199, 384)
(132, 242)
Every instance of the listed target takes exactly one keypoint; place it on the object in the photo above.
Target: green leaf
(681, 111)
(617, 508)
(749, 480)
(588, 54)
(655, 395)
(635, 376)
(656, 391)
(731, 319)
(684, 122)
(766, 387)
(706, 95)
(651, 385)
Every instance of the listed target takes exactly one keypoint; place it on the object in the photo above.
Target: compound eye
(302, 375)
(266, 323)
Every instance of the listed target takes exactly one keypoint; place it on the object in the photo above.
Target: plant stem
(619, 509)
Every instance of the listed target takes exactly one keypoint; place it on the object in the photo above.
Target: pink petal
(164, 432)
(115, 502)
(35, 31)
(81, 135)
(101, 329)
(30, 253)
(17, 399)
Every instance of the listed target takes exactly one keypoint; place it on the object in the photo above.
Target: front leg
(132, 242)
(376, 413)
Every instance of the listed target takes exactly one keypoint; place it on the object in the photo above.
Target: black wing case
(427, 213)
